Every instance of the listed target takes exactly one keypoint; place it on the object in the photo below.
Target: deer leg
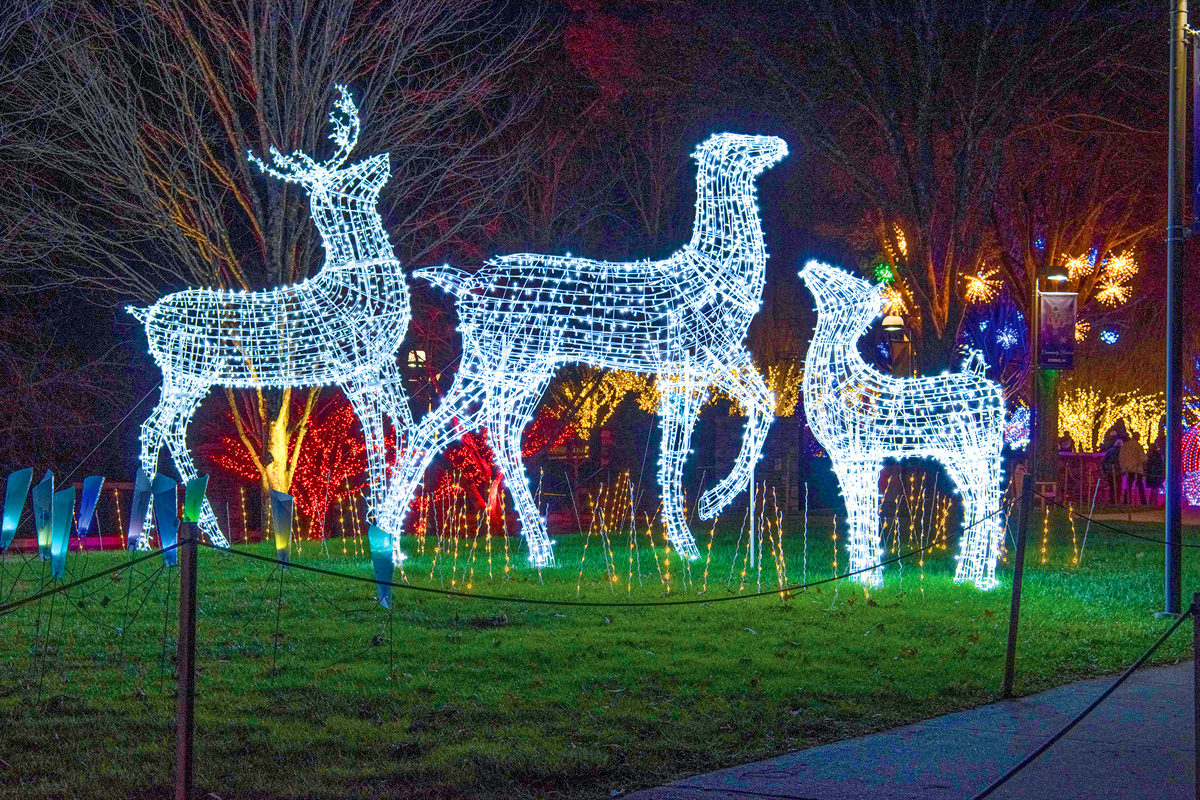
(507, 414)
(394, 401)
(154, 430)
(978, 484)
(742, 381)
(859, 481)
(436, 430)
(678, 408)
(365, 400)
(175, 428)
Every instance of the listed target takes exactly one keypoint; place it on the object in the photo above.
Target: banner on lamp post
(1056, 331)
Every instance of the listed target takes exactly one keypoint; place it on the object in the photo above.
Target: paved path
(1189, 517)
(1138, 744)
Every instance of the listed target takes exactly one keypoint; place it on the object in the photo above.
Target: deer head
(846, 305)
(301, 168)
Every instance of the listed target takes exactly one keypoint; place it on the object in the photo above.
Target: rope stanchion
(786, 590)
(1029, 759)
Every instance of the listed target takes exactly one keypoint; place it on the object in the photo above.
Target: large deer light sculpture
(343, 326)
(682, 319)
(861, 416)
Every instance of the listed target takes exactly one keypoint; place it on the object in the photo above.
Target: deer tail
(451, 280)
(140, 314)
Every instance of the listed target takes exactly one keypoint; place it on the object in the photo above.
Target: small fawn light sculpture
(861, 416)
(343, 326)
(682, 319)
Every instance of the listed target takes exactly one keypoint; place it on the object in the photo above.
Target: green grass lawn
(451, 697)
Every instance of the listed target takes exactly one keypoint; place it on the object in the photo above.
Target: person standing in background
(1133, 468)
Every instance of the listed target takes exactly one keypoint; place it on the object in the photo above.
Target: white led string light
(343, 326)
(861, 416)
(682, 319)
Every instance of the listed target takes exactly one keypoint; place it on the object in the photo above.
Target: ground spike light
(342, 326)
(862, 416)
(682, 319)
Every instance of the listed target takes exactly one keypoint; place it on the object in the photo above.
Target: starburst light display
(1112, 274)
(983, 287)
(893, 301)
(682, 319)
(862, 416)
(342, 326)
(1016, 428)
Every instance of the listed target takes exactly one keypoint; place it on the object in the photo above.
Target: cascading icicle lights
(682, 319)
(861, 416)
(343, 326)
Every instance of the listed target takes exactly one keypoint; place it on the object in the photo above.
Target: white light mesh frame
(682, 319)
(861, 416)
(343, 326)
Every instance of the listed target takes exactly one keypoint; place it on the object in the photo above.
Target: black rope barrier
(1029, 759)
(1103, 524)
(609, 604)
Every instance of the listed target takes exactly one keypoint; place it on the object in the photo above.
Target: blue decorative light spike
(166, 517)
(62, 511)
(139, 508)
(193, 498)
(87, 502)
(380, 542)
(14, 504)
(281, 522)
(43, 501)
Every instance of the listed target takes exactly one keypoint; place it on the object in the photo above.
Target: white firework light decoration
(861, 417)
(682, 319)
(343, 326)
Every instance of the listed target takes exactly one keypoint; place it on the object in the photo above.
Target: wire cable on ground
(1029, 759)
(9, 607)
(1103, 524)
(786, 590)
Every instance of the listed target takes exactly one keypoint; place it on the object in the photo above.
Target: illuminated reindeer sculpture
(682, 319)
(861, 416)
(342, 326)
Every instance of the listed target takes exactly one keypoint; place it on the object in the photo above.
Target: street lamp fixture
(893, 323)
(1056, 273)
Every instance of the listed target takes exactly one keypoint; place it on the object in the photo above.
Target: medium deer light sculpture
(343, 326)
(861, 416)
(682, 319)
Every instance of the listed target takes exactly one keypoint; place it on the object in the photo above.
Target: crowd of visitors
(1130, 468)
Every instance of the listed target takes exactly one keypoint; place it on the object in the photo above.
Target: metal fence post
(185, 663)
(1010, 657)
(1196, 683)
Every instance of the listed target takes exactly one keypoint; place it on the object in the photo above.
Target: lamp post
(899, 346)
(1043, 419)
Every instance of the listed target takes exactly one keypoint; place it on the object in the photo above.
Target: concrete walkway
(1138, 744)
